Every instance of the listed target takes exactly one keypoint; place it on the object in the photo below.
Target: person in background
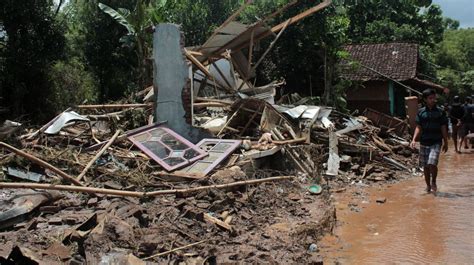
(456, 115)
(468, 123)
(432, 130)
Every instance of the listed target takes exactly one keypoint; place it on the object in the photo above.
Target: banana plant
(138, 22)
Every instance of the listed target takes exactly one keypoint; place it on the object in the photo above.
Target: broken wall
(172, 84)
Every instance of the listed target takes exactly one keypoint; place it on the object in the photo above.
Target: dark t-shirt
(430, 121)
(469, 113)
(457, 111)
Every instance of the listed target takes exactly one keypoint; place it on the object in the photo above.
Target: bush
(72, 84)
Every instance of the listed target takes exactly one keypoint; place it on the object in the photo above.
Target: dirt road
(411, 227)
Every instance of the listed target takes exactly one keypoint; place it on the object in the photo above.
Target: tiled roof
(396, 60)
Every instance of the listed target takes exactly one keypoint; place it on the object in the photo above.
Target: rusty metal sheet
(166, 147)
(218, 150)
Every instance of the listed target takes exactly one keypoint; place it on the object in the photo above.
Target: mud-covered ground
(402, 223)
(270, 222)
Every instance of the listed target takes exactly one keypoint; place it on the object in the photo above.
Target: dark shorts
(429, 154)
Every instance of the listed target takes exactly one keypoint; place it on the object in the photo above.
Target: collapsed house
(191, 174)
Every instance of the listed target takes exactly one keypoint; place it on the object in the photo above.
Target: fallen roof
(395, 60)
(234, 36)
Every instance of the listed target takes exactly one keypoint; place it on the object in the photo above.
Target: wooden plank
(174, 250)
(250, 120)
(197, 63)
(290, 21)
(209, 104)
(22, 185)
(203, 69)
(302, 15)
(191, 176)
(99, 154)
(270, 47)
(281, 10)
(249, 63)
(228, 20)
(213, 220)
(114, 106)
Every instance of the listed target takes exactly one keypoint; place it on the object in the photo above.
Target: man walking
(432, 130)
(468, 124)
(456, 114)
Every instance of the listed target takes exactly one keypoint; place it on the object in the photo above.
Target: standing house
(373, 73)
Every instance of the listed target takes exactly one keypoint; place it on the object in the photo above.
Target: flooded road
(411, 227)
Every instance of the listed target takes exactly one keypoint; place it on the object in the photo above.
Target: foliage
(373, 21)
(306, 54)
(454, 61)
(199, 18)
(137, 22)
(71, 84)
(97, 36)
(51, 58)
(34, 41)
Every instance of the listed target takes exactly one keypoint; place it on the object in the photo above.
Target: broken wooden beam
(210, 104)
(203, 69)
(120, 138)
(17, 185)
(301, 16)
(98, 155)
(191, 176)
(293, 141)
(41, 163)
(174, 250)
(227, 21)
(213, 220)
(201, 99)
(115, 106)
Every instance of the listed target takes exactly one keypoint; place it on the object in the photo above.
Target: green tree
(34, 41)
(95, 38)
(306, 54)
(454, 61)
(199, 18)
(399, 20)
(138, 23)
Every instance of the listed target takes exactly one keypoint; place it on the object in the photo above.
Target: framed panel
(218, 150)
(166, 147)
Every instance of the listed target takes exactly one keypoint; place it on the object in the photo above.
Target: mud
(411, 227)
(271, 223)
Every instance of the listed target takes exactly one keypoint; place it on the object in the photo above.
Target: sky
(461, 10)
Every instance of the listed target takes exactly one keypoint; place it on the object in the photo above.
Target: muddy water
(411, 227)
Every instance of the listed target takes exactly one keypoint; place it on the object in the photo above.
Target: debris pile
(209, 169)
(148, 194)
